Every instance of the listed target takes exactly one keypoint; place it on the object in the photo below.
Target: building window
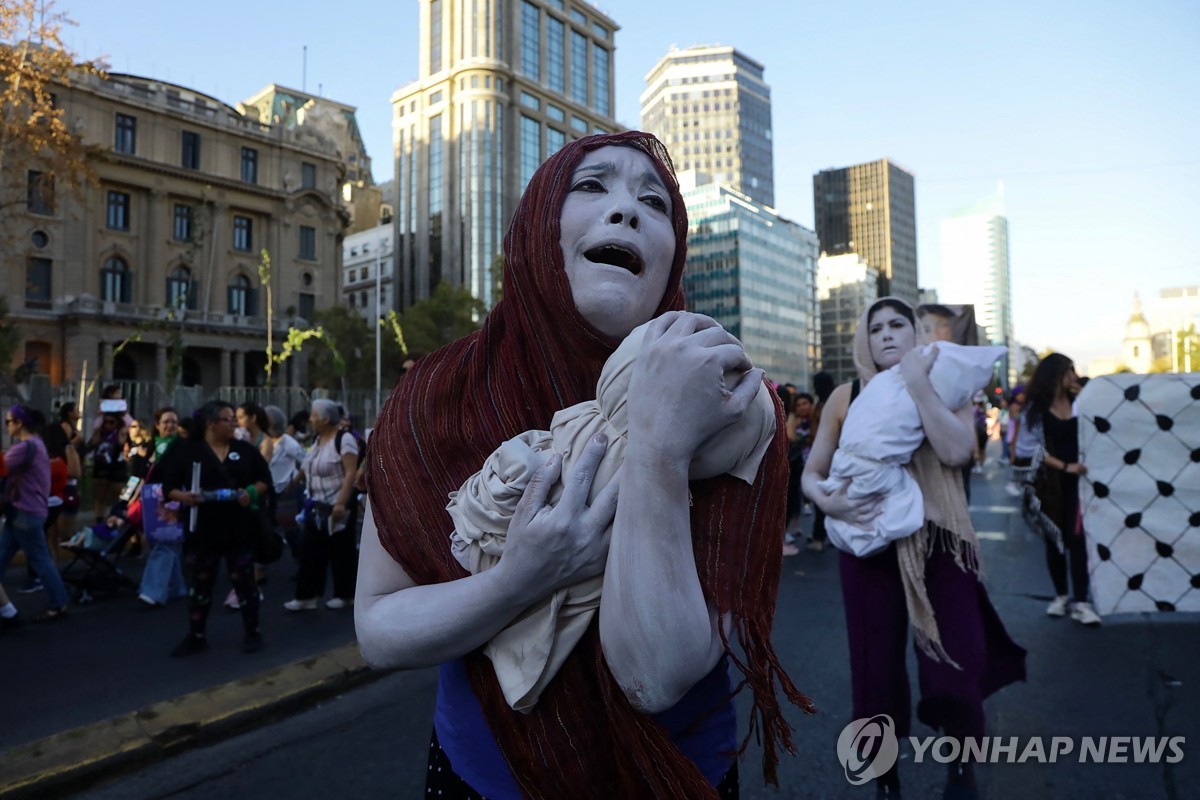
(118, 211)
(578, 16)
(556, 54)
(37, 282)
(249, 165)
(125, 140)
(600, 80)
(579, 124)
(555, 139)
(529, 101)
(181, 292)
(555, 113)
(579, 65)
(435, 37)
(39, 193)
(243, 234)
(190, 158)
(182, 229)
(435, 164)
(308, 176)
(531, 64)
(114, 280)
(600, 30)
(308, 242)
(531, 149)
(241, 297)
(308, 305)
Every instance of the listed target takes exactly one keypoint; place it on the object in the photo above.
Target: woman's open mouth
(615, 256)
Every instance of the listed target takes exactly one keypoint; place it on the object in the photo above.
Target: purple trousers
(972, 634)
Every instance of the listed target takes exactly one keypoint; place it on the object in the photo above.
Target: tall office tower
(846, 285)
(755, 273)
(503, 84)
(975, 267)
(870, 209)
(712, 109)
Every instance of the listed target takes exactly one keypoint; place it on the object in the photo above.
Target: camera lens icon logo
(868, 748)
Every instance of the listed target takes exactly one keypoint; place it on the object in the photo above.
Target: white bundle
(882, 431)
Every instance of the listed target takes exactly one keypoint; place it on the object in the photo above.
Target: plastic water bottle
(219, 495)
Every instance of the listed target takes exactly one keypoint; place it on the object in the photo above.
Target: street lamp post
(378, 327)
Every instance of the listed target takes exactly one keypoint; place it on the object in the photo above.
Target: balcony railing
(131, 312)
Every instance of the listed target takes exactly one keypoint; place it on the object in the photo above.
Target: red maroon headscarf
(535, 355)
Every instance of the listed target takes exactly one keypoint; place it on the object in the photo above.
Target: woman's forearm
(952, 439)
(658, 633)
(401, 625)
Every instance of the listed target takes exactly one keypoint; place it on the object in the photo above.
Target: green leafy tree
(10, 337)
(348, 356)
(34, 134)
(450, 313)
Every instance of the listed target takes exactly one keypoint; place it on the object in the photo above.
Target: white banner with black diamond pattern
(1139, 436)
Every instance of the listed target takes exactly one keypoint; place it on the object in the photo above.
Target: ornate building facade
(166, 247)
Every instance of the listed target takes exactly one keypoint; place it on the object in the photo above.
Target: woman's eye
(655, 201)
(588, 185)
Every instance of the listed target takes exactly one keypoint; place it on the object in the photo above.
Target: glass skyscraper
(712, 109)
(755, 273)
(503, 84)
(870, 209)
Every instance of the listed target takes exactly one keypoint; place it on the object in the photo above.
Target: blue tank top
(707, 737)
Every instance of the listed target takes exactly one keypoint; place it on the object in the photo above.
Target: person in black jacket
(234, 481)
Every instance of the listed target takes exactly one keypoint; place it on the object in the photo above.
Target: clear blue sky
(1089, 112)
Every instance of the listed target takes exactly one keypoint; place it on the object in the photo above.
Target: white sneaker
(1083, 613)
(231, 600)
(337, 602)
(1057, 607)
(301, 605)
(1012, 489)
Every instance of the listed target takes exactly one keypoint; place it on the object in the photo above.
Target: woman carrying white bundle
(528, 653)
(882, 431)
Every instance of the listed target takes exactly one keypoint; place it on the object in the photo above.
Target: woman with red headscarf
(642, 706)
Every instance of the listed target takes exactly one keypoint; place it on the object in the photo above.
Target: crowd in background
(239, 486)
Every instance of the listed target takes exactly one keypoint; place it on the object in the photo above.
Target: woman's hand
(337, 515)
(1076, 469)
(549, 547)
(189, 499)
(915, 365)
(243, 498)
(678, 397)
(860, 512)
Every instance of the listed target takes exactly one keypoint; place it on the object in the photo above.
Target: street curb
(52, 766)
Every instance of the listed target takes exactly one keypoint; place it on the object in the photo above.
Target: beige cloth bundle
(529, 652)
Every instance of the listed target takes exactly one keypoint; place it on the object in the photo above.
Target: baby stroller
(97, 551)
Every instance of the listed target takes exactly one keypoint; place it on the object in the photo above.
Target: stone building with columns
(166, 246)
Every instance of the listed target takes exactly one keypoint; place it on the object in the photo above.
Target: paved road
(111, 656)
(1134, 677)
